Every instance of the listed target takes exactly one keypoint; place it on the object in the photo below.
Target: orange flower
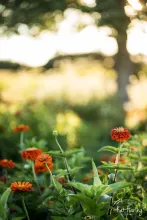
(30, 153)
(120, 134)
(7, 163)
(44, 158)
(121, 159)
(21, 187)
(21, 128)
(41, 168)
(40, 162)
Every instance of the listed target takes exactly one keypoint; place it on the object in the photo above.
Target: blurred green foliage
(86, 126)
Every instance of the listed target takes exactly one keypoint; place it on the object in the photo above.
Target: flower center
(120, 129)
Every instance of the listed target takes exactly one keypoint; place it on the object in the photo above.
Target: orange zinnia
(41, 168)
(21, 187)
(44, 158)
(31, 153)
(7, 163)
(21, 128)
(40, 162)
(120, 134)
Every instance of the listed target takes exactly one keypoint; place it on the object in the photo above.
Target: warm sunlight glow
(89, 3)
(37, 51)
(135, 4)
(71, 39)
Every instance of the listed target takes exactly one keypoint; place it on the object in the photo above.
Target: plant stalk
(35, 178)
(67, 167)
(21, 140)
(51, 176)
(24, 206)
(115, 176)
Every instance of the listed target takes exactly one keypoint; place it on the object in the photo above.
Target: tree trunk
(124, 67)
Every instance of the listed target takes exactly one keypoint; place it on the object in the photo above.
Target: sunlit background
(36, 51)
(84, 86)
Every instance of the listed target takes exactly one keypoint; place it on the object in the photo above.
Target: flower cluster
(21, 128)
(21, 187)
(41, 161)
(120, 134)
(7, 163)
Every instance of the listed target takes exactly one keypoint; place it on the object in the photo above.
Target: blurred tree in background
(44, 14)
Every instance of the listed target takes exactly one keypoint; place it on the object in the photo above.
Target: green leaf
(96, 178)
(119, 217)
(4, 197)
(58, 185)
(56, 153)
(65, 154)
(62, 172)
(84, 188)
(143, 159)
(134, 157)
(69, 153)
(90, 205)
(114, 149)
(18, 218)
(3, 203)
(109, 148)
(115, 166)
(115, 187)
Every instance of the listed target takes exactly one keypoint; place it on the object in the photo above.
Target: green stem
(24, 206)
(65, 160)
(67, 167)
(21, 140)
(51, 176)
(35, 177)
(117, 162)
(115, 176)
(58, 144)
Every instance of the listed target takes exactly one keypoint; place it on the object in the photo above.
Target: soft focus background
(75, 66)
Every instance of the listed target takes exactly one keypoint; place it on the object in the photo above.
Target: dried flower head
(104, 158)
(87, 178)
(51, 202)
(21, 187)
(41, 168)
(121, 159)
(7, 163)
(120, 134)
(3, 179)
(61, 180)
(30, 153)
(134, 149)
(21, 128)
